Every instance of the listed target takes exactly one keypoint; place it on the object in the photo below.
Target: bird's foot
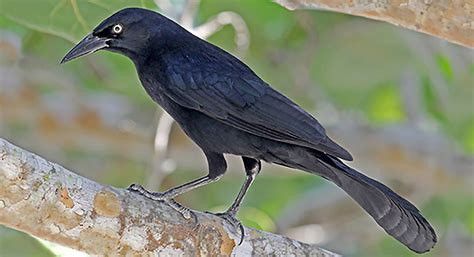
(164, 197)
(156, 196)
(184, 211)
(229, 216)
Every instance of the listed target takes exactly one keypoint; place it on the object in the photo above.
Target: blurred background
(400, 101)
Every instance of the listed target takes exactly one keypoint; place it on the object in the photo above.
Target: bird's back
(200, 76)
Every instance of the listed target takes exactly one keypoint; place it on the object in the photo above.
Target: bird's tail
(396, 215)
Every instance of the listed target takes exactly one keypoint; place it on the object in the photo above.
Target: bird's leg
(217, 168)
(173, 192)
(168, 196)
(252, 168)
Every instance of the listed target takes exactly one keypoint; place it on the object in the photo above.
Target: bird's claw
(231, 219)
(135, 188)
(185, 212)
(159, 196)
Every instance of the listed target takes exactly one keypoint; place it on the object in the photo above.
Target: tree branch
(450, 20)
(50, 202)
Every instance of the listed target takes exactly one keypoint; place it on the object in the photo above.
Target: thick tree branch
(50, 202)
(451, 20)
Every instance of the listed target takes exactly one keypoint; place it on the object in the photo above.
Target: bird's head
(128, 31)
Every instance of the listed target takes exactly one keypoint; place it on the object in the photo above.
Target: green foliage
(349, 72)
(385, 105)
(432, 104)
(445, 67)
(452, 207)
(68, 19)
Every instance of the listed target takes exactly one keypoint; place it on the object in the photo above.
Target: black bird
(225, 108)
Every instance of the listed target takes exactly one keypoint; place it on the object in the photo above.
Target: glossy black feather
(397, 216)
(234, 95)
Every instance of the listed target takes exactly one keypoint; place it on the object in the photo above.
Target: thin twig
(189, 13)
(167, 8)
(242, 35)
(161, 163)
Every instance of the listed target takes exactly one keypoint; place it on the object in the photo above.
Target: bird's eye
(117, 28)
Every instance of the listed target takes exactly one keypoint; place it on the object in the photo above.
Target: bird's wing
(247, 103)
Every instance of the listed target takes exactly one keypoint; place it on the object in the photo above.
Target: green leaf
(445, 67)
(385, 105)
(431, 101)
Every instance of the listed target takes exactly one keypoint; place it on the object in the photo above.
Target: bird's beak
(87, 45)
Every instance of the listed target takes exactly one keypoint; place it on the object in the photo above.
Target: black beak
(87, 45)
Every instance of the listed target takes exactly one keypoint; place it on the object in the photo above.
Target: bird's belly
(215, 136)
(209, 134)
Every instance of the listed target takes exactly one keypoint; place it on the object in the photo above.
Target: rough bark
(452, 20)
(50, 202)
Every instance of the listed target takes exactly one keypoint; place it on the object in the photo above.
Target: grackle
(225, 108)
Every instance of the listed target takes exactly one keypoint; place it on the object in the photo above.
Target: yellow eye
(117, 28)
